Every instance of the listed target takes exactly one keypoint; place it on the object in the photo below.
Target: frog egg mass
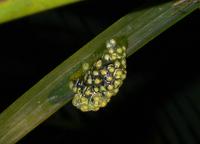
(101, 80)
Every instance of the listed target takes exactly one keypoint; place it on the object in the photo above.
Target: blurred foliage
(13, 9)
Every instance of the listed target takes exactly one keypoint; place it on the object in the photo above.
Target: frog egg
(111, 68)
(117, 83)
(97, 81)
(89, 80)
(76, 99)
(111, 51)
(119, 50)
(74, 89)
(108, 94)
(115, 91)
(88, 92)
(110, 87)
(123, 76)
(109, 78)
(103, 72)
(95, 73)
(106, 57)
(84, 108)
(113, 56)
(102, 88)
(85, 66)
(124, 48)
(84, 100)
(103, 103)
(96, 89)
(117, 64)
(111, 43)
(123, 62)
(98, 64)
(118, 73)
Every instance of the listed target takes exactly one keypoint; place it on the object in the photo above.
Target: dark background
(159, 101)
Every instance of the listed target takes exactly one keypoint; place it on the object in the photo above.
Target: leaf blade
(13, 9)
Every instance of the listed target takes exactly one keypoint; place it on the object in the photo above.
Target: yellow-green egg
(124, 48)
(102, 88)
(103, 72)
(117, 83)
(96, 89)
(84, 100)
(78, 90)
(123, 62)
(117, 64)
(118, 73)
(96, 98)
(115, 91)
(111, 50)
(119, 50)
(85, 66)
(87, 92)
(97, 81)
(124, 55)
(76, 100)
(89, 80)
(98, 64)
(114, 56)
(110, 87)
(95, 73)
(108, 94)
(111, 69)
(96, 103)
(74, 89)
(103, 103)
(85, 77)
(123, 76)
(111, 43)
(107, 57)
(84, 107)
(109, 78)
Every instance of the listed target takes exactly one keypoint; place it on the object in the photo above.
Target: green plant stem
(52, 92)
(13, 9)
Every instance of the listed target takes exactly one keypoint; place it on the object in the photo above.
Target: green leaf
(12, 9)
(52, 92)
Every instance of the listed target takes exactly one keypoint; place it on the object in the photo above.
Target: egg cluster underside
(101, 80)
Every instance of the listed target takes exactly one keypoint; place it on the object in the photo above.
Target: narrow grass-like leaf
(12, 9)
(52, 92)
